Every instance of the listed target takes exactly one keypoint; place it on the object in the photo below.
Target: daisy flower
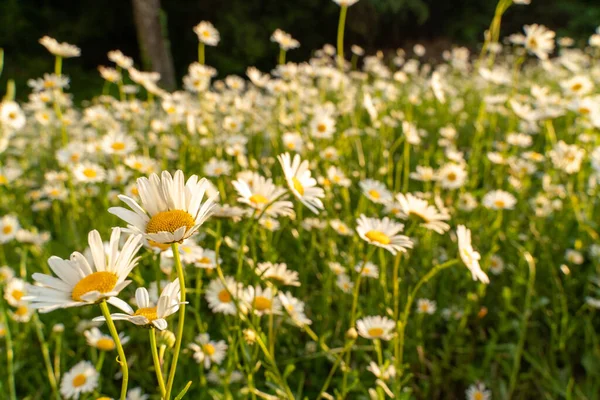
(82, 378)
(118, 143)
(496, 264)
(14, 291)
(428, 215)
(478, 391)
(262, 194)
(451, 176)
(375, 191)
(9, 226)
(567, 157)
(207, 33)
(376, 327)
(171, 211)
(22, 313)
(499, 200)
(293, 141)
(215, 167)
(285, 40)
(95, 338)
(208, 351)
(340, 227)
(337, 177)
(11, 115)
(80, 283)
(278, 273)
(383, 233)
(538, 40)
(64, 50)
(88, 172)
(368, 270)
(219, 296)
(301, 183)
(261, 301)
(322, 126)
(343, 282)
(6, 274)
(294, 308)
(469, 256)
(147, 313)
(426, 306)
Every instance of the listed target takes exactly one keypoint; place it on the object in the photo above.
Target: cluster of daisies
(302, 228)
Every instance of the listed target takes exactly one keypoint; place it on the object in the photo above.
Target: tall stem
(281, 56)
(121, 359)
(157, 367)
(340, 36)
(179, 268)
(9, 355)
(201, 53)
(45, 355)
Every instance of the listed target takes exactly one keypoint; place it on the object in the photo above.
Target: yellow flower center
(499, 203)
(148, 312)
(375, 332)
(204, 260)
(90, 173)
(7, 229)
(258, 199)
(576, 87)
(224, 296)
(206, 34)
(17, 294)
(170, 221)
(3, 180)
(75, 157)
(79, 380)
(105, 344)
(262, 303)
(21, 311)
(118, 146)
(478, 396)
(101, 281)
(451, 177)
(298, 186)
(103, 398)
(374, 194)
(209, 349)
(321, 127)
(12, 115)
(378, 236)
(135, 191)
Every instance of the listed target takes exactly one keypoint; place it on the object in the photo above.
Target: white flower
(278, 273)
(80, 283)
(171, 210)
(567, 157)
(426, 306)
(295, 308)
(9, 226)
(451, 176)
(208, 351)
(11, 115)
(499, 200)
(383, 233)
(285, 40)
(147, 313)
(367, 269)
(375, 191)
(538, 39)
(478, 391)
(376, 327)
(207, 33)
(261, 301)
(301, 183)
(64, 50)
(469, 256)
(263, 195)
(95, 338)
(219, 296)
(82, 378)
(429, 215)
(14, 291)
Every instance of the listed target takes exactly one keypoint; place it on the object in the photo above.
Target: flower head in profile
(499, 200)
(95, 338)
(82, 378)
(383, 233)
(538, 40)
(207, 33)
(429, 216)
(284, 40)
(376, 327)
(301, 183)
(469, 256)
(171, 210)
(345, 3)
(80, 283)
(64, 50)
(147, 313)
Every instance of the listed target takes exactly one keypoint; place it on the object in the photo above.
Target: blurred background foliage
(246, 25)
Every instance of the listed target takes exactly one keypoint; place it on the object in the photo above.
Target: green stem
(157, 367)
(401, 324)
(524, 322)
(281, 56)
(179, 268)
(201, 53)
(45, 355)
(340, 36)
(9, 355)
(121, 359)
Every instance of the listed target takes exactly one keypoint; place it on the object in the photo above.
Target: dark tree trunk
(154, 45)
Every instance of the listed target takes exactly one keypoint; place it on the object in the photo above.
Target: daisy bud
(249, 336)
(351, 333)
(166, 338)
(58, 328)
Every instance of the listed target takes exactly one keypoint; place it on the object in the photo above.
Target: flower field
(356, 226)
